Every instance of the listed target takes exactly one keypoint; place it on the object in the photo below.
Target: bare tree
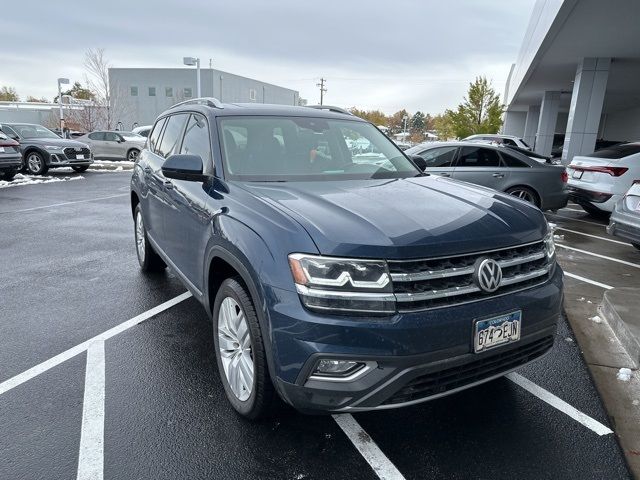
(97, 67)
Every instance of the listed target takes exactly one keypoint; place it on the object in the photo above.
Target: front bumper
(624, 225)
(61, 160)
(418, 356)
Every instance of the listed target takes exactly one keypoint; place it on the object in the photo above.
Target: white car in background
(114, 145)
(143, 130)
(508, 140)
(599, 180)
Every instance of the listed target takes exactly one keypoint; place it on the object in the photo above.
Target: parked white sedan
(114, 145)
(599, 180)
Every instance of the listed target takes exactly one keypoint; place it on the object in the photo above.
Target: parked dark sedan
(42, 149)
(10, 157)
(500, 168)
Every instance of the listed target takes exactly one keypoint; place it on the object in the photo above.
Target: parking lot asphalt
(70, 273)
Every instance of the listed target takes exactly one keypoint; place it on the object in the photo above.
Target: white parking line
(64, 203)
(575, 219)
(73, 351)
(597, 255)
(382, 466)
(91, 456)
(588, 280)
(559, 404)
(594, 236)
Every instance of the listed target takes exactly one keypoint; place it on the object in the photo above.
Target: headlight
(52, 147)
(549, 245)
(343, 285)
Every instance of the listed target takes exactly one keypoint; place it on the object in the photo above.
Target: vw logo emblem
(488, 275)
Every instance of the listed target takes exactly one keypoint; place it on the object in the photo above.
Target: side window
(111, 136)
(438, 157)
(197, 140)
(478, 157)
(512, 162)
(96, 136)
(171, 136)
(155, 134)
(9, 131)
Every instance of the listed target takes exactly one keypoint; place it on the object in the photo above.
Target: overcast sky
(388, 55)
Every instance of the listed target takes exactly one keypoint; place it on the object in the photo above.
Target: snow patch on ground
(558, 238)
(596, 319)
(624, 374)
(552, 226)
(21, 179)
(569, 339)
(581, 299)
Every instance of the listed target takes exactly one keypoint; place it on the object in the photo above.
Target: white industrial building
(577, 74)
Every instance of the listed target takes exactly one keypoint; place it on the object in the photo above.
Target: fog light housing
(337, 367)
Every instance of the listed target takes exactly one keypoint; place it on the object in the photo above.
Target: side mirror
(184, 167)
(420, 162)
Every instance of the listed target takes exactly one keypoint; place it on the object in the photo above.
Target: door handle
(167, 184)
(498, 175)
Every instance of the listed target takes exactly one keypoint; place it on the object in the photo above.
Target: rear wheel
(132, 155)
(80, 168)
(36, 164)
(148, 259)
(526, 194)
(8, 175)
(240, 352)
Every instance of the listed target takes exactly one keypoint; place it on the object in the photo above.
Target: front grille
(434, 283)
(484, 367)
(72, 153)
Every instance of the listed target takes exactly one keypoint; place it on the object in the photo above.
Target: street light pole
(405, 118)
(191, 61)
(60, 82)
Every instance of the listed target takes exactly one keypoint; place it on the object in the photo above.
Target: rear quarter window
(512, 162)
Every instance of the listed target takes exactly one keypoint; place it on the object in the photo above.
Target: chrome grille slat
(424, 284)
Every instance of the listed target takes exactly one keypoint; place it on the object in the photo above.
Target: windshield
(34, 131)
(279, 149)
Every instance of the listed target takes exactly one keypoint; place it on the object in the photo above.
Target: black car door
(187, 224)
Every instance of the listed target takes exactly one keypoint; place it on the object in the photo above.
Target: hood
(404, 218)
(58, 142)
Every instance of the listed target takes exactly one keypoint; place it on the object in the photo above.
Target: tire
(8, 175)
(525, 193)
(595, 212)
(253, 395)
(148, 259)
(35, 164)
(132, 155)
(80, 168)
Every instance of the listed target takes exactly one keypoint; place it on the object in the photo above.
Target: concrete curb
(620, 307)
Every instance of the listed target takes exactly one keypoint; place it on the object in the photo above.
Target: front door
(187, 223)
(439, 160)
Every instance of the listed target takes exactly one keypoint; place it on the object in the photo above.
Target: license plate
(80, 157)
(577, 174)
(493, 332)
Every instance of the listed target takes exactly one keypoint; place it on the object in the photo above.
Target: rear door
(97, 144)
(439, 160)
(482, 166)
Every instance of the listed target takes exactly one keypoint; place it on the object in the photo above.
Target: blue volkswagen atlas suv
(338, 275)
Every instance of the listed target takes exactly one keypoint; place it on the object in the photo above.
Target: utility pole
(213, 78)
(323, 89)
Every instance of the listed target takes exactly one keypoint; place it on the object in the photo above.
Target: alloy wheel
(140, 247)
(133, 155)
(234, 343)
(34, 162)
(523, 195)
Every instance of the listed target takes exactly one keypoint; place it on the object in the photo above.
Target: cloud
(388, 55)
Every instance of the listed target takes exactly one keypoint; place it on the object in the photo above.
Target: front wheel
(8, 175)
(36, 164)
(80, 168)
(526, 194)
(148, 259)
(240, 352)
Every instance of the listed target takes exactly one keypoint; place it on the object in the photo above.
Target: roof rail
(208, 101)
(331, 109)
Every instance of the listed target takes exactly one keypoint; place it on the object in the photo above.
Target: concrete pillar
(531, 125)
(587, 98)
(547, 122)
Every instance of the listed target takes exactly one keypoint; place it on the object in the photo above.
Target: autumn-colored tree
(396, 121)
(8, 94)
(374, 116)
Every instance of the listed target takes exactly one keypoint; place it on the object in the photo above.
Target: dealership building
(577, 76)
(139, 95)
